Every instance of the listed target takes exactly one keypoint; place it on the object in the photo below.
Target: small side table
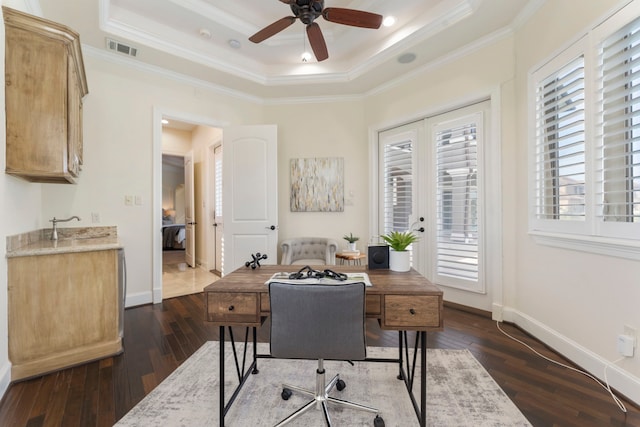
(350, 257)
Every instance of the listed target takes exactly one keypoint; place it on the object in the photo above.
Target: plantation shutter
(560, 144)
(397, 159)
(618, 153)
(457, 198)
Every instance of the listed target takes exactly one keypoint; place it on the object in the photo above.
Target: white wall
(485, 71)
(335, 129)
(118, 155)
(575, 301)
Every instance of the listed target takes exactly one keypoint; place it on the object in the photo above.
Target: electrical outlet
(139, 200)
(95, 217)
(628, 330)
(626, 345)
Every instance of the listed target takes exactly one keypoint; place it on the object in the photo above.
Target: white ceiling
(167, 34)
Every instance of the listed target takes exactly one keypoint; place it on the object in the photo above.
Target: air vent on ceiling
(121, 47)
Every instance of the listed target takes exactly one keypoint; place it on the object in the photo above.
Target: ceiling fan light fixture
(306, 56)
(389, 21)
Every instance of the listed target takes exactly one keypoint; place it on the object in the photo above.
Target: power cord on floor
(605, 386)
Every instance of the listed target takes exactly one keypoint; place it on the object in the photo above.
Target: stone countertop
(70, 240)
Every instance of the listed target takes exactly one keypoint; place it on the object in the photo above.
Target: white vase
(352, 246)
(399, 260)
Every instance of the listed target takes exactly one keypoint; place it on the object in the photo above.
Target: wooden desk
(400, 301)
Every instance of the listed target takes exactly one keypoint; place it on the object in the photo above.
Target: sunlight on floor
(180, 279)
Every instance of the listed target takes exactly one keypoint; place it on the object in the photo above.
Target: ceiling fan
(307, 11)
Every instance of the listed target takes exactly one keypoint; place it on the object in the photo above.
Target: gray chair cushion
(315, 321)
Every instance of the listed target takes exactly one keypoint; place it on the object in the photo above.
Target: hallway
(179, 279)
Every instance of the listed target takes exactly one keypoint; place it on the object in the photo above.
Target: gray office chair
(314, 321)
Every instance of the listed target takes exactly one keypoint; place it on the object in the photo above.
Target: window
(560, 144)
(397, 186)
(457, 197)
(618, 182)
(585, 158)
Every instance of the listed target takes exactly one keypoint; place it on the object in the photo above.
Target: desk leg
(423, 379)
(400, 374)
(221, 375)
(255, 352)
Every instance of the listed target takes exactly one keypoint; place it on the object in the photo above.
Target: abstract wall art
(317, 184)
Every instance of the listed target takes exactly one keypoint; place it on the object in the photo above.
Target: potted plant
(399, 257)
(352, 241)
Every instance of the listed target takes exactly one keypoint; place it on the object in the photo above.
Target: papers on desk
(283, 277)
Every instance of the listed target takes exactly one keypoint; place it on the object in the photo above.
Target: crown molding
(163, 72)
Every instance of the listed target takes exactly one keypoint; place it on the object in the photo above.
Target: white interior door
(218, 220)
(189, 211)
(250, 194)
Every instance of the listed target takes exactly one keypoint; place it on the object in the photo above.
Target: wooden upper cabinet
(45, 84)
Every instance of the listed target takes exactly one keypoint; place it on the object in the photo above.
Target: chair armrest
(332, 248)
(286, 252)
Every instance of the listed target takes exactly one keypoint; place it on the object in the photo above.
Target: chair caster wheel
(340, 385)
(378, 421)
(286, 393)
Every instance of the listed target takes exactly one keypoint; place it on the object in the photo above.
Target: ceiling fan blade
(355, 18)
(316, 40)
(273, 29)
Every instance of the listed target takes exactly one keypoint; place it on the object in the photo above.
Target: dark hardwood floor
(158, 338)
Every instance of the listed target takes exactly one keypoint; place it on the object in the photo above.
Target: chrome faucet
(54, 234)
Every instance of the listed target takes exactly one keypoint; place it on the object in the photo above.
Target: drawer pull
(231, 308)
(412, 311)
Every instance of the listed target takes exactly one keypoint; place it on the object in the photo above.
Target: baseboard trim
(140, 298)
(467, 309)
(5, 378)
(625, 383)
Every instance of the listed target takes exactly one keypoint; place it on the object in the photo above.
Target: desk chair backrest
(314, 321)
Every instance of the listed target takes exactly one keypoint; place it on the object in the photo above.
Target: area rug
(460, 392)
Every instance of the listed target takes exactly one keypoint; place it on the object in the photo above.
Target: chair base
(321, 398)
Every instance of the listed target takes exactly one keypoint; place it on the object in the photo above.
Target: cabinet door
(35, 96)
(74, 121)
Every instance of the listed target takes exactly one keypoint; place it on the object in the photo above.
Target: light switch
(128, 200)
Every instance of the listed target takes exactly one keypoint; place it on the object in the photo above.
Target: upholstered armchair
(309, 251)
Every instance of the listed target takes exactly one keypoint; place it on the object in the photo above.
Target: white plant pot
(399, 260)
(352, 246)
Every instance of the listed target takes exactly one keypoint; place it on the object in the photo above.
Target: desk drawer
(233, 307)
(411, 311)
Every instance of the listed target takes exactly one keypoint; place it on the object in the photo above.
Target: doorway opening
(182, 191)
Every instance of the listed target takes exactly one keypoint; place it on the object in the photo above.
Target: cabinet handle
(231, 308)
(412, 311)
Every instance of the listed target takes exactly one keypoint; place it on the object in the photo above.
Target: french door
(432, 181)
